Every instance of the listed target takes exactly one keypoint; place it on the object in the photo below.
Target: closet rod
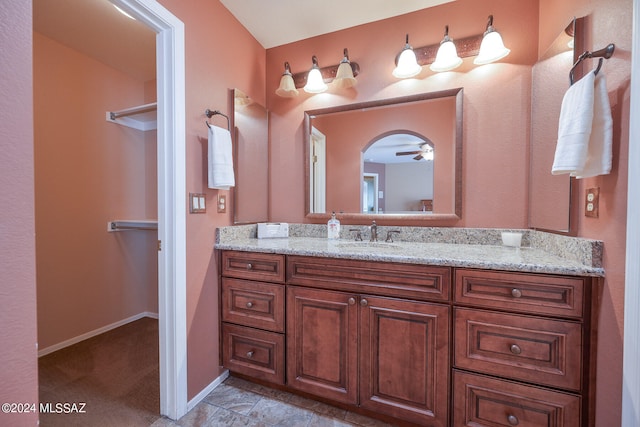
(131, 225)
(133, 110)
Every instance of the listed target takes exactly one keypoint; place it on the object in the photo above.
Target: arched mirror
(399, 157)
(388, 163)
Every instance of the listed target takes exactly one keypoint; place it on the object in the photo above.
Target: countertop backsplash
(586, 252)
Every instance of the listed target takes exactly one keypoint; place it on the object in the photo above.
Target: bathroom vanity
(438, 333)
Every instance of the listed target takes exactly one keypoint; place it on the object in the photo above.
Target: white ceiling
(277, 22)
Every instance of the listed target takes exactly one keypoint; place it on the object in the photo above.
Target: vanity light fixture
(315, 83)
(492, 47)
(447, 57)
(407, 63)
(344, 76)
(287, 88)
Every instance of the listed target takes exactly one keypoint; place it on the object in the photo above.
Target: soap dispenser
(333, 227)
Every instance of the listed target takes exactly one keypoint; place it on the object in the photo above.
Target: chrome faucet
(374, 232)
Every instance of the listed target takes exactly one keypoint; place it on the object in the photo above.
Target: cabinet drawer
(482, 401)
(253, 352)
(526, 348)
(413, 281)
(256, 304)
(252, 265)
(524, 293)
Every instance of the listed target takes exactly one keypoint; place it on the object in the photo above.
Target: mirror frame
(458, 93)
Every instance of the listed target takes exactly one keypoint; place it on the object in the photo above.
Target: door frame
(172, 302)
(631, 340)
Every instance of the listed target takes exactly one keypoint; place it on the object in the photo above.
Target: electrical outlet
(592, 202)
(222, 203)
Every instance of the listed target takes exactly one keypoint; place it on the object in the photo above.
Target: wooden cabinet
(486, 401)
(523, 349)
(386, 355)
(424, 345)
(404, 359)
(322, 347)
(252, 295)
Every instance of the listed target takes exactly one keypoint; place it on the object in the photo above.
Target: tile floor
(237, 402)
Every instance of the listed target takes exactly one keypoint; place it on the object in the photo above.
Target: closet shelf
(143, 117)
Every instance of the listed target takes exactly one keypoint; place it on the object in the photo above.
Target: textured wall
(19, 374)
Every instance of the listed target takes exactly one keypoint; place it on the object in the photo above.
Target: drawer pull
(516, 293)
(351, 301)
(513, 420)
(249, 266)
(364, 302)
(515, 349)
(249, 304)
(250, 354)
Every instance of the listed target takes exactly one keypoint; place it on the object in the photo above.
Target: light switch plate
(197, 203)
(592, 202)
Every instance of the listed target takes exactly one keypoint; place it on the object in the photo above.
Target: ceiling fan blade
(418, 157)
(407, 153)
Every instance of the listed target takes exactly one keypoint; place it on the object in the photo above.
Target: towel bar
(604, 53)
(210, 113)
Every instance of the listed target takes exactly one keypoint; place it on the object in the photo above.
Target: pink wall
(609, 21)
(18, 352)
(87, 172)
(220, 54)
(496, 101)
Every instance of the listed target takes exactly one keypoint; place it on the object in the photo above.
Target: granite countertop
(471, 252)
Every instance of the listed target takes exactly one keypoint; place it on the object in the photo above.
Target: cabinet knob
(249, 304)
(351, 301)
(250, 354)
(515, 349)
(364, 302)
(249, 266)
(513, 420)
(516, 293)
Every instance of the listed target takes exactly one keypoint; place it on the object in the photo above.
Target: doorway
(170, 202)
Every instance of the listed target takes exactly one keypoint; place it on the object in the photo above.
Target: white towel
(600, 151)
(574, 128)
(585, 130)
(220, 158)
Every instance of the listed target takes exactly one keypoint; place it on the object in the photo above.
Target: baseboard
(95, 332)
(208, 389)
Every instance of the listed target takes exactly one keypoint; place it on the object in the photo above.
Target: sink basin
(367, 245)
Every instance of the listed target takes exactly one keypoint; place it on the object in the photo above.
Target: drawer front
(524, 293)
(482, 401)
(253, 352)
(414, 281)
(252, 265)
(525, 348)
(256, 304)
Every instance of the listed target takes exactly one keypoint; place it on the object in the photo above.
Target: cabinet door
(321, 343)
(404, 362)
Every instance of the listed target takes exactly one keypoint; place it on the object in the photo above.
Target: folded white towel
(220, 158)
(599, 156)
(574, 128)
